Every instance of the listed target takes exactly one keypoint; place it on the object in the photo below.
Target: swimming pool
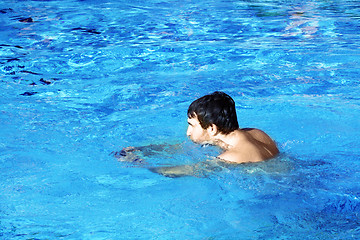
(80, 79)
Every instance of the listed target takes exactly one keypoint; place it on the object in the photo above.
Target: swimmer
(212, 120)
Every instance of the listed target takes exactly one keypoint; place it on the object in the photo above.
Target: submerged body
(212, 120)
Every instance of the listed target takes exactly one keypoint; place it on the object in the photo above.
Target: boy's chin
(203, 143)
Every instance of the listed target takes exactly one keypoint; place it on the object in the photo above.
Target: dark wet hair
(217, 108)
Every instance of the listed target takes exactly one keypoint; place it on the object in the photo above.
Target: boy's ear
(212, 130)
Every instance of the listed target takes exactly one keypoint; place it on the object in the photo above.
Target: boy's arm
(175, 171)
(201, 169)
(135, 155)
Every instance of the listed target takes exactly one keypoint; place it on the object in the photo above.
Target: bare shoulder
(252, 145)
(264, 143)
(258, 135)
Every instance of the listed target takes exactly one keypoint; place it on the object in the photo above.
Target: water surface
(80, 79)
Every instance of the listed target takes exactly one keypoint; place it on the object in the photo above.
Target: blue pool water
(80, 79)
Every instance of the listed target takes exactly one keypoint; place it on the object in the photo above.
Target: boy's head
(217, 108)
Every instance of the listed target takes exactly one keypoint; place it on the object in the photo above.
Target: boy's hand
(128, 154)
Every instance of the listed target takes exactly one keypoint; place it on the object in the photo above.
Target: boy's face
(196, 133)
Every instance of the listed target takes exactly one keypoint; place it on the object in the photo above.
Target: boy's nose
(188, 132)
